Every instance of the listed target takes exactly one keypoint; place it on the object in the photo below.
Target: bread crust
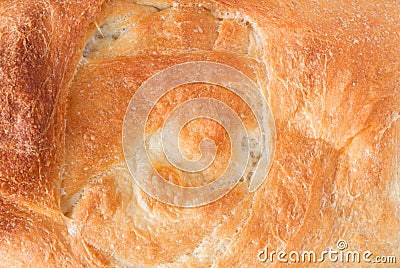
(331, 77)
(40, 45)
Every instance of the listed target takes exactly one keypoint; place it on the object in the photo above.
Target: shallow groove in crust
(249, 53)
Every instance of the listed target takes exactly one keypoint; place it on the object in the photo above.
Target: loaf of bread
(329, 72)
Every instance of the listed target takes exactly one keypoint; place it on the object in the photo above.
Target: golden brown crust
(36, 65)
(331, 73)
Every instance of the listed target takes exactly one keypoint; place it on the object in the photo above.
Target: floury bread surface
(329, 71)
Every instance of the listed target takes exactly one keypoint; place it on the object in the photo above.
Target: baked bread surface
(330, 73)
